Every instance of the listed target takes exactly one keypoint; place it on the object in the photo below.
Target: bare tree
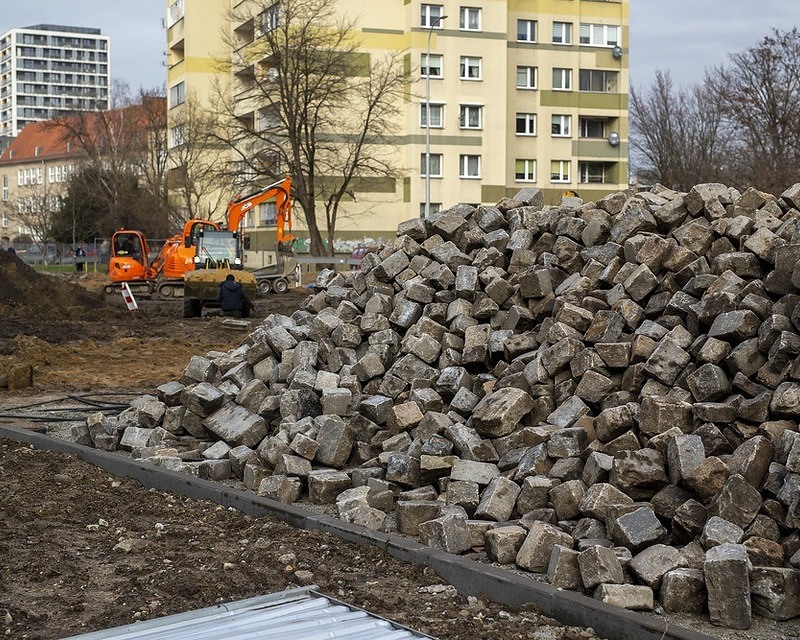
(122, 146)
(319, 108)
(37, 205)
(758, 95)
(679, 138)
(200, 172)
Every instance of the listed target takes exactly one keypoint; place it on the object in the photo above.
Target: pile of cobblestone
(604, 392)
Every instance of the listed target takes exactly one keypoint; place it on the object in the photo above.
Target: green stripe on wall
(584, 100)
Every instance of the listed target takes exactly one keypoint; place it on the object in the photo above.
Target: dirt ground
(81, 551)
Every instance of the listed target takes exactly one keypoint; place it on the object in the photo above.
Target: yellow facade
(565, 128)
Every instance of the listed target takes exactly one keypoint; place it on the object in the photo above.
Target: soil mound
(24, 293)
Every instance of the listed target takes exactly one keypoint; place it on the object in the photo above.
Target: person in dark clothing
(233, 299)
(80, 259)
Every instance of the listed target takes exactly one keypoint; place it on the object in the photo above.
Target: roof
(44, 136)
(47, 140)
(294, 614)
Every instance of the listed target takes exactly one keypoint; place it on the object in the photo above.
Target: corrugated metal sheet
(295, 614)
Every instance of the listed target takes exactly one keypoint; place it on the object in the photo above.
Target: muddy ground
(81, 551)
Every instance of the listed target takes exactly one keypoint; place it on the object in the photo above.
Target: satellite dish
(617, 52)
(613, 139)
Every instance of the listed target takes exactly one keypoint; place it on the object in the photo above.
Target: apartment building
(34, 173)
(504, 94)
(49, 70)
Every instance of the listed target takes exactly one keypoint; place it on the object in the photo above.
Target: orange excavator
(130, 260)
(203, 246)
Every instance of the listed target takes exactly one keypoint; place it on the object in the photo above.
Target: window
(526, 77)
(5, 189)
(559, 171)
(435, 165)
(470, 19)
(592, 172)
(561, 126)
(267, 214)
(470, 68)
(431, 17)
(469, 166)
(597, 80)
(435, 207)
(177, 94)
(436, 111)
(469, 116)
(271, 18)
(526, 124)
(599, 35)
(177, 136)
(431, 65)
(562, 33)
(30, 176)
(526, 30)
(525, 171)
(592, 128)
(562, 79)
(5, 218)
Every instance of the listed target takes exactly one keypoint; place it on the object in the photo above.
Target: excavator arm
(281, 191)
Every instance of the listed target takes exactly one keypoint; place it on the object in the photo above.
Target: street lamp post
(434, 22)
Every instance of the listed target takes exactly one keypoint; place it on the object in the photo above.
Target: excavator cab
(130, 256)
(217, 250)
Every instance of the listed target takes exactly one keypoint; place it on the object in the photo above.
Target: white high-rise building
(48, 70)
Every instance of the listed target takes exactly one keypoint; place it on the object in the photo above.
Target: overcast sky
(685, 37)
(682, 36)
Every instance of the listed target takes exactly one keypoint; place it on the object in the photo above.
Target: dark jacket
(232, 297)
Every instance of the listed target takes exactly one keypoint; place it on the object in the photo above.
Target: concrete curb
(469, 577)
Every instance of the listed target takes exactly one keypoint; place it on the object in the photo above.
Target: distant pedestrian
(80, 259)
(233, 299)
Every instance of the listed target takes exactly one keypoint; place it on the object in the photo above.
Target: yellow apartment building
(504, 95)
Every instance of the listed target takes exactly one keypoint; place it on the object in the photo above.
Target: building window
(526, 30)
(562, 79)
(431, 17)
(267, 214)
(5, 218)
(435, 165)
(470, 19)
(271, 18)
(599, 35)
(526, 124)
(469, 166)
(561, 126)
(431, 65)
(592, 128)
(470, 68)
(562, 33)
(436, 111)
(525, 171)
(469, 116)
(526, 77)
(435, 207)
(559, 171)
(592, 172)
(598, 80)
(176, 136)
(5, 188)
(177, 94)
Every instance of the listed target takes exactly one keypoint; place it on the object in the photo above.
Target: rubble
(603, 392)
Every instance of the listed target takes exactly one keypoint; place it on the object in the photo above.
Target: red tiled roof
(52, 140)
(47, 138)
